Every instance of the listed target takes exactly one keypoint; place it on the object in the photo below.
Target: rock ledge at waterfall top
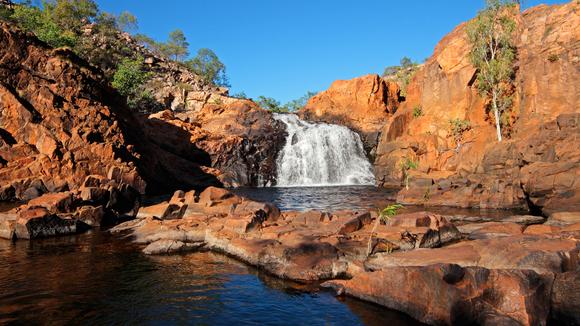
(415, 259)
(362, 104)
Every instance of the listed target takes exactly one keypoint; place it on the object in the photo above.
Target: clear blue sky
(283, 49)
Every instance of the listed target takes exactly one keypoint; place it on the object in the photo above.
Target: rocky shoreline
(437, 269)
(517, 271)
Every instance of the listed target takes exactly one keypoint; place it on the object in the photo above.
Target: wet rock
(566, 299)
(446, 294)
(8, 224)
(168, 247)
(38, 222)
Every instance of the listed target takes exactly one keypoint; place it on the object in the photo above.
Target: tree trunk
(496, 114)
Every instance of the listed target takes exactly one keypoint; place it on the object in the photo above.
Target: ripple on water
(97, 278)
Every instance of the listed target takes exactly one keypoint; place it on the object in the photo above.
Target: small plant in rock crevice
(406, 165)
(384, 215)
(417, 111)
(458, 127)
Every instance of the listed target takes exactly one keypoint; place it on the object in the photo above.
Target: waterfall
(320, 154)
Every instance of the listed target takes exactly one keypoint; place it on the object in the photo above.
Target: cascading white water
(320, 154)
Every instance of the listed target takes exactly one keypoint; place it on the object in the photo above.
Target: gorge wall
(61, 122)
(536, 167)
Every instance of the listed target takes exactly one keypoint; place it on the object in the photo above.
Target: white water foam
(321, 154)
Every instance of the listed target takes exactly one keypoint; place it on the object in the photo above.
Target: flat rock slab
(447, 294)
(564, 218)
(538, 253)
(489, 230)
(169, 247)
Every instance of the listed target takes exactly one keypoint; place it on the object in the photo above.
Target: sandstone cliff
(537, 167)
(362, 104)
(60, 122)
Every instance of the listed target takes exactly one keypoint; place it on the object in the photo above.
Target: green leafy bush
(176, 47)
(417, 111)
(208, 66)
(299, 103)
(271, 104)
(402, 74)
(40, 23)
(129, 80)
(458, 128)
(493, 53)
(384, 215)
(240, 95)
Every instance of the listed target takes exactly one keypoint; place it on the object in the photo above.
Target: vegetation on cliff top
(129, 80)
(493, 54)
(273, 105)
(95, 36)
(402, 74)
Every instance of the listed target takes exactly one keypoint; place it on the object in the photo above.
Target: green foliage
(417, 111)
(70, 15)
(240, 95)
(407, 164)
(154, 46)
(458, 128)
(553, 57)
(493, 54)
(176, 47)
(386, 213)
(40, 23)
(383, 215)
(208, 66)
(271, 104)
(299, 103)
(127, 22)
(6, 13)
(402, 74)
(129, 80)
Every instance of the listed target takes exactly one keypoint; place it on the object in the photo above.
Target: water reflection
(100, 279)
(350, 198)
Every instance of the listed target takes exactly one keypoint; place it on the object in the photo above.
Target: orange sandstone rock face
(537, 166)
(57, 123)
(60, 122)
(237, 138)
(363, 104)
